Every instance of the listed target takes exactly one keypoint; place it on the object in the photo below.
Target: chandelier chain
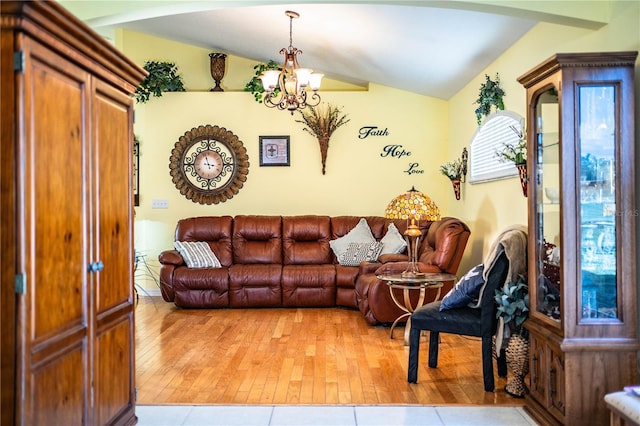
(290, 32)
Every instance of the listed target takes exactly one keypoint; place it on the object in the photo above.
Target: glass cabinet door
(597, 207)
(547, 209)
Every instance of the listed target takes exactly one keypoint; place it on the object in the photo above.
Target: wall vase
(217, 61)
(324, 148)
(522, 171)
(456, 187)
(517, 354)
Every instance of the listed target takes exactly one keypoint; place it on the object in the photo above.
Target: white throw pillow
(360, 252)
(393, 242)
(361, 233)
(197, 254)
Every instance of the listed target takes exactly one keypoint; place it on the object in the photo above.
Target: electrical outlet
(159, 204)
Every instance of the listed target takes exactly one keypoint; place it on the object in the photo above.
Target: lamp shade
(413, 204)
(302, 74)
(270, 79)
(314, 80)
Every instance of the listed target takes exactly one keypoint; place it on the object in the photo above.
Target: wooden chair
(479, 322)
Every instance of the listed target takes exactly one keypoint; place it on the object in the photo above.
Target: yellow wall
(358, 180)
(489, 207)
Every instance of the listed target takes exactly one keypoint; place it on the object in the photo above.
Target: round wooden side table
(408, 284)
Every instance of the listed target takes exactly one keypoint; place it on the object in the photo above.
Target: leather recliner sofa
(287, 261)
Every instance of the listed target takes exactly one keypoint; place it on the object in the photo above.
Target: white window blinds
(491, 136)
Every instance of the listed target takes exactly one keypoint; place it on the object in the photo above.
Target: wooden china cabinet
(67, 221)
(582, 245)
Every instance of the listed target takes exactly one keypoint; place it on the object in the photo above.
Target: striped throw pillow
(197, 254)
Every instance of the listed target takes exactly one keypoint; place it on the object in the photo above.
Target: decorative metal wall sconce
(464, 159)
(456, 171)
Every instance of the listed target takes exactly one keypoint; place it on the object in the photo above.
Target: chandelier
(287, 88)
(412, 206)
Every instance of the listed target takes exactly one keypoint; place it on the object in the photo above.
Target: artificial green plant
(255, 84)
(513, 304)
(163, 77)
(490, 95)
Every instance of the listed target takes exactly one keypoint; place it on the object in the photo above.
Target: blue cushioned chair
(479, 322)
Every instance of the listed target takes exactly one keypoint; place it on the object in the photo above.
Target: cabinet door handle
(96, 266)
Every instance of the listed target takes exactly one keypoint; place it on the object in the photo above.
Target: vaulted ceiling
(429, 47)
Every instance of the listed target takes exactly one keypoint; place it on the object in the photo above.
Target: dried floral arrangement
(321, 122)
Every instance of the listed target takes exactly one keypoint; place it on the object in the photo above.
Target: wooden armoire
(67, 220)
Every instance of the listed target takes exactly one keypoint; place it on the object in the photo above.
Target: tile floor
(298, 415)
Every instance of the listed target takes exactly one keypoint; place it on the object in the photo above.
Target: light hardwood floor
(295, 356)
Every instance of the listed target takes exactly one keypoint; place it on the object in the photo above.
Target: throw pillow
(197, 254)
(361, 233)
(393, 242)
(466, 291)
(360, 252)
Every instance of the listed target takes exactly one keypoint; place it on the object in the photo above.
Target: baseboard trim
(148, 292)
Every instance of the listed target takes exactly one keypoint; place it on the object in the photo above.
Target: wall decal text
(414, 170)
(391, 150)
(367, 131)
(394, 151)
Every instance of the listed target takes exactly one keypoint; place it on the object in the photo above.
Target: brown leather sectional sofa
(286, 261)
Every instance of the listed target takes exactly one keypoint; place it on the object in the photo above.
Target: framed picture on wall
(274, 151)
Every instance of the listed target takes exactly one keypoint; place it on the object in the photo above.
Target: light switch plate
(159, 204)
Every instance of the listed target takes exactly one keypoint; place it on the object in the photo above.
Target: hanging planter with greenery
(163, 77)
(453, 170)
(515, 153)
(255, 84)
(490, 95)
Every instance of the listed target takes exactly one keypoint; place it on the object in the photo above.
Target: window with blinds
(491, 136)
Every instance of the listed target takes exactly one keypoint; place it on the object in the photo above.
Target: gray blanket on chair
(513, 242)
